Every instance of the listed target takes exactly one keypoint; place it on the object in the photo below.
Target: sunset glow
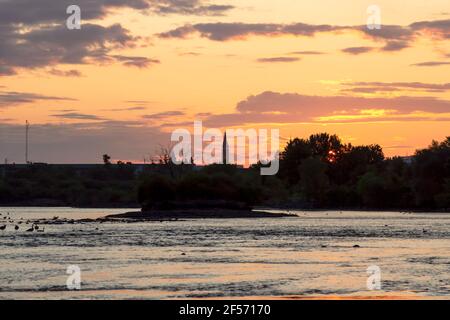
(133, 73)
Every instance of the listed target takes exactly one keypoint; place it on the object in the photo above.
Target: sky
(139, 69)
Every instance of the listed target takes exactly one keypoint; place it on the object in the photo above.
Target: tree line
(319, 172)
(323, 172)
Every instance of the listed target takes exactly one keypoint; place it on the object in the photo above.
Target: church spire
(225, 149)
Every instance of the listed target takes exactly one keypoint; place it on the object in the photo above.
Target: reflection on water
(312, 255)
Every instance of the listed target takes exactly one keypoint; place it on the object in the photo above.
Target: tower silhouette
(225, 149)
(27, 128)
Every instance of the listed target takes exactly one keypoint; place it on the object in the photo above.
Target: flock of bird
(7, 218)
(34, 227)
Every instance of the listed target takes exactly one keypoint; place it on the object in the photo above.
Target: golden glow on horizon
(197, 75)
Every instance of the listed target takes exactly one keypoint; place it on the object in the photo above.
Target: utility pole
(26, 141)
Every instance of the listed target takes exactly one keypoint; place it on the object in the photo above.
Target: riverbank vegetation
(320, 172)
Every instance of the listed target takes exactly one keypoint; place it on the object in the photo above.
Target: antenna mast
(26, 141)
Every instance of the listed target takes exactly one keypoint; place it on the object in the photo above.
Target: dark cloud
(65, 110)
(273, 107)
(369, 89)
(293, 102)
(228, 31)
(54, 45)
(34, 35)
(188, 7)
(180, 32)
(387, 32)
(395, 37)
(372, 87)
(11, 98)
(306, 53)
(127, 109)
(51, 11)
(278, 59)
(139, 62)
(163, 115)
(430, 64)
(357, 50)
(32, 12)
(65, 73)
(389, 46)
(438, 28)
(138, 101)
(395, 46)
(191, 53)
(77, 116)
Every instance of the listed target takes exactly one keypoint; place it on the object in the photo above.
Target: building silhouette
(225, 151)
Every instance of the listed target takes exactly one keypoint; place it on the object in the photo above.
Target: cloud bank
(274, 107)
(33, 32)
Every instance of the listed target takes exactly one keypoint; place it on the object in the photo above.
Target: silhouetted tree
(431, 168)
(106, 159)
(319, 171)
(353, 161)
(291, 157)
(314, 181)
(327, 147)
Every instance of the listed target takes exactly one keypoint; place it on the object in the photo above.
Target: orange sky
(402, 74)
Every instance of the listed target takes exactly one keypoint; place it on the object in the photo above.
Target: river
(322, 254)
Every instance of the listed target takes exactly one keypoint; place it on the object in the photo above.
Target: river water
(309, 256)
